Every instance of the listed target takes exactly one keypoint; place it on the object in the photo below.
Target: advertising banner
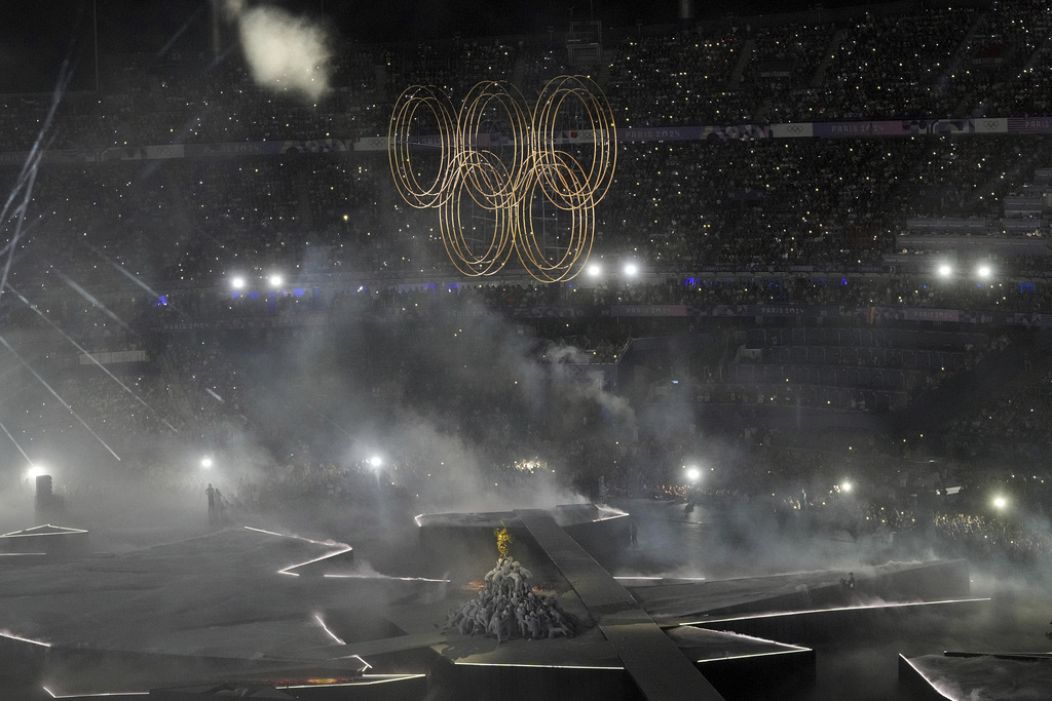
(1030, 125)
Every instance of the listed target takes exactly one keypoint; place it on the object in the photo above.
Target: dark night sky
(35, 38)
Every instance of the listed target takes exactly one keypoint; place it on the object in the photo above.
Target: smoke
(285, 53)
(451, 397)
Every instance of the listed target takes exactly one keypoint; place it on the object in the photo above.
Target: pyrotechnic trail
(179, 32)
(20, 218)
(90, 297)
(122, 270)
(57, 396)
(27, 176)
(91, 357)
(12, 439)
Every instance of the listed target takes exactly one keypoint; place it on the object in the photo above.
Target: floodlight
(35, 471)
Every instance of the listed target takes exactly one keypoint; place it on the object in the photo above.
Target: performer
(220, 508)
(211, 492)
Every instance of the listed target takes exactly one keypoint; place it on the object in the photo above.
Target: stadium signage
(794, 130)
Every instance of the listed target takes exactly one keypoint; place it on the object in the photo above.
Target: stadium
(450, 350)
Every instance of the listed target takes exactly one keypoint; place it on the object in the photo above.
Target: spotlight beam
(57, 396)
(12, 439)
(123, 271)
(91, 357)
(27, 176)
(90, 298)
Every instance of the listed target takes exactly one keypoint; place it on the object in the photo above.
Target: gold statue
(503, 541)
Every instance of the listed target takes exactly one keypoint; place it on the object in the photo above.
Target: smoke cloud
(285, 53)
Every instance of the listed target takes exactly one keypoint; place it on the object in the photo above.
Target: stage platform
(295, 614)
(810, 608)
(654, 662)
(367, 687)
(243, 603)
(968, 676)
(735, 631)
(43, 542)
(674, 602)
(591, 665)
(464, 540)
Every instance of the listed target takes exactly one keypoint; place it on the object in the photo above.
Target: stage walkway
(656, 664)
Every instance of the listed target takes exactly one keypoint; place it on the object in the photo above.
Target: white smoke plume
(285, 53)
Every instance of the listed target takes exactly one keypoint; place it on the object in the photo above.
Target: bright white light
(1000, 502)
(862, 607)
(630, 269)
(693, 474)
(846, 486)
(594, 270)
(237, 283)
(983, 271)
(375, 461)
(11, 636)
(944, 270)
(275, 281)
(335, 638)
(207, 462)
(35, 471)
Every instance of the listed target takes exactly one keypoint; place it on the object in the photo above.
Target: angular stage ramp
(964, 676)
(656, 664)
(241, 604)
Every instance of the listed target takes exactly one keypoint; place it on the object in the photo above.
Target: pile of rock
(508, 607)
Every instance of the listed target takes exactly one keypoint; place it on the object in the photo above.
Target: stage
(262, 607)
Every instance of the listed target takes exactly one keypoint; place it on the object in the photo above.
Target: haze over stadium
(458, 350)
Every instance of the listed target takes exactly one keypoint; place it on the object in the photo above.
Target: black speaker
(44, 490)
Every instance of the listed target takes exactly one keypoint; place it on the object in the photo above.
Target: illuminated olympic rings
(508, 186)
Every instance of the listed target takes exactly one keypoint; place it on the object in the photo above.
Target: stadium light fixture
(35, 471)
(983, 271)
(275, 281)
(945, 271)
(630, 269)
(207, 462)
(693, 474)
(1000, 502)
(237, 282)
(375, 462)
(847, 486)
(594, 270)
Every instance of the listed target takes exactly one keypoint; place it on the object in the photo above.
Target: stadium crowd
(722, 223)
(831, 204)
(945, 60)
